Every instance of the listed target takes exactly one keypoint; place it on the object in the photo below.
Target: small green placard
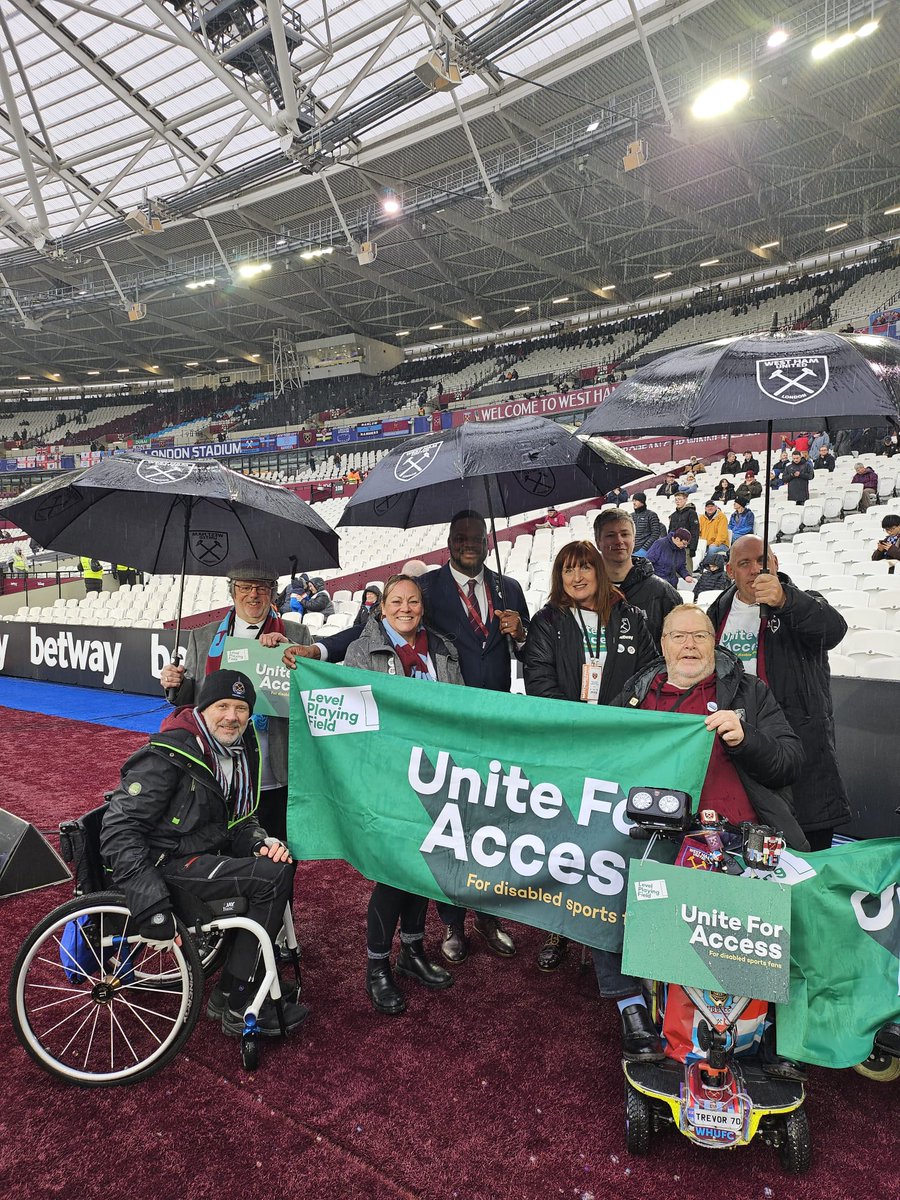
(264, 668)
(724, 933)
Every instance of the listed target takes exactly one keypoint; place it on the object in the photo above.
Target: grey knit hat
(252, 570)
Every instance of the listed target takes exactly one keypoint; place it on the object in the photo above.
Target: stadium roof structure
(180, 178)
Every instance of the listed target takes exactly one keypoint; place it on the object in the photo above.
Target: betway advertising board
(125, 660)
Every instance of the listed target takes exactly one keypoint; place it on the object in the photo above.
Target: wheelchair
(95, 1004)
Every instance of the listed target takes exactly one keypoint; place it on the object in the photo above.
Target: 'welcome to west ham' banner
(506, 804)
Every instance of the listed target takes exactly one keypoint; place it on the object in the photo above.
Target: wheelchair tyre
(638, 1121)
(795, 1150)
(250, 1051)
(210, 946)
(113, 1024)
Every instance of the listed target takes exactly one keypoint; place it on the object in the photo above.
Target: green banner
(845, 954)
(505, 804)
(707, 930)
(264, 668)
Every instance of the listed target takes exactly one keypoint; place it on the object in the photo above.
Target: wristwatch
(159, 918)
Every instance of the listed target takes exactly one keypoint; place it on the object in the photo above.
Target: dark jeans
(272, 812)
(93, 585)
(612, 983)
(388, 906)
(267, 886)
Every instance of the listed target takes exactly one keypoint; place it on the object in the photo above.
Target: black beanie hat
(225, 685)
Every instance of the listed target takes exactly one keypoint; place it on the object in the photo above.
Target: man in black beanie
(181, 827)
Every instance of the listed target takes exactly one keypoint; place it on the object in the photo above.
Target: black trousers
(272, 812)
(387, 906)
(267, 886)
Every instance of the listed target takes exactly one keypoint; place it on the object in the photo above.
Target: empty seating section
(867, 295)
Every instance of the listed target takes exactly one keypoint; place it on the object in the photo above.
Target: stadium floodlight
(711, 262)
(836, 226)
(593, 127)
(844, 39)
(433, 327)
(123, 370)
(662, 275)
(25, 378)
(777, 38)
(720, 98)
(889, 212)
(523, 308)
(403, 333)
(868, 29)
(192, 364)
(561, 300)
(93, 372)
(249, 270)
(822, 50)
(221, 360)
(391, 203)
(200, 283)
(476, 318)
(769, 245)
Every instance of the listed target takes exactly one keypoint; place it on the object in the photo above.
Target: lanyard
(592, 646)
(472, 609)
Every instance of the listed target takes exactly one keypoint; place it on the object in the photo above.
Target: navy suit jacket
(486, 666)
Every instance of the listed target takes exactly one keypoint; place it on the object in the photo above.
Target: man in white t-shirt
(787, 647)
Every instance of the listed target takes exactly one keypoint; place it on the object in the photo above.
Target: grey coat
(373, 651)
(196, 654)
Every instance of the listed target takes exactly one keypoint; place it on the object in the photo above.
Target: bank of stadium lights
(93, 372)
(711, 262)
(561, 300)
(769, 245)
(403, 332)
(432, 328)
(777, 38)
(319, 252)
(192, 364)
(662, 275)
(593, 127)
(827, 46)
(250, 270)
(890, 212)
(523, 308)
(390, 203)
(836, 226)
(719, 98)
(196, 284)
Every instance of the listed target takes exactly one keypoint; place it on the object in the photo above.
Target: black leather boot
(412, 962)
(383, 992)
(640, 1040)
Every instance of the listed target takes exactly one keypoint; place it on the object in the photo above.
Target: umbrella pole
(768, 493)
(176, 657)
(490, 507)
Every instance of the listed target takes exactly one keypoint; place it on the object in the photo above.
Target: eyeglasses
(680, 638)
(244, 589)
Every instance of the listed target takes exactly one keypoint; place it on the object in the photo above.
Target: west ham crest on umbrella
(792, 380)
(415, 462)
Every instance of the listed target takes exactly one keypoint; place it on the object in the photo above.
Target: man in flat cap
(253, 586)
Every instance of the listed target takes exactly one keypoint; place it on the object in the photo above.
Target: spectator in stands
(252, 586)
(713, 530)
(801, 443)
(755, 755)
(789, 649)
(820, 438)
(669, 486)
(370, 605)
(400, 643)
(749, 490)
(126, 575)
(353, 475)
(688, 484)
(776, 478)
(633, 575)
(741, 520)
(891, 444)
(648, 528)
(616, 495)
(183, 823)
(730, 466)
(750, 463)
(91, 573)
(889, 545)
(295, 588)
(553, 520)
(314, 599)
(668, 557)
(684, 516)
(696, 466)
(713, 577)
(723, 492)
(866, 476)
(581, 647)
(824, 459)
(797, 475)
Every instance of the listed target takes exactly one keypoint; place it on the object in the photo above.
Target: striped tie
(476, 621)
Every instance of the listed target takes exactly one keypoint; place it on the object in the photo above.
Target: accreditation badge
(591, 675)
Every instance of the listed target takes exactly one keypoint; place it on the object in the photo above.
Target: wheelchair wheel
(795, 1151)
(156, 967)
(83, 1007)
(880, 1066)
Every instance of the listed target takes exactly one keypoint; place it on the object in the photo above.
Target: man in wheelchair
(180, 828)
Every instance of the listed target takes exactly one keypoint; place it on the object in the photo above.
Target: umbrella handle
(172, 692)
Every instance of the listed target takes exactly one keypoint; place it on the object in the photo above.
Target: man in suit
(252, 585)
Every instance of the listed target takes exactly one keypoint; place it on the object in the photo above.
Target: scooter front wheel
(795, 1150)
(881, 1067)
(638, 1121)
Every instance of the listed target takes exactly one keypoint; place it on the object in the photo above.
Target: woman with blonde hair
(583, 645)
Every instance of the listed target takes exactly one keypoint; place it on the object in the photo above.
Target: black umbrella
(498, 467)
(166, 516)
(764, 381)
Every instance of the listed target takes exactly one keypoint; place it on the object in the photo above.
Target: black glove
(158, 926)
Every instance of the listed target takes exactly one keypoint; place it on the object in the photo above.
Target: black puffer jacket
(554, 652)
(653, 596)
(648, 528)
(686, 518)
(169, 803)
(768, 758)
(796, 659)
